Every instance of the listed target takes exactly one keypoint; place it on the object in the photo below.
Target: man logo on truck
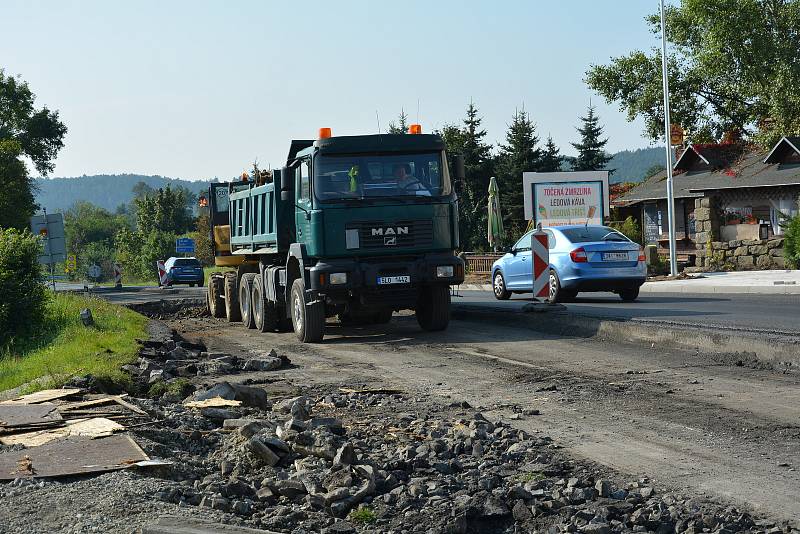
(389, 240)
(400, 230)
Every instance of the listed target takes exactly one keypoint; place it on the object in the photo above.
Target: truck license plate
(385, 280)
(615, 256)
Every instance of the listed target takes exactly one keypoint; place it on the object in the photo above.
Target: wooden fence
(480, 263)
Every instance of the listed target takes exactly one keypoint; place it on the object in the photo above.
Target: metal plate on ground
(24, 415)
(186, 525)
(71, 456)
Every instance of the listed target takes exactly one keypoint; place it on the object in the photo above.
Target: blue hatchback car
(582, 258)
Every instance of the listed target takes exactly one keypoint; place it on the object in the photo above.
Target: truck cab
(363, 226)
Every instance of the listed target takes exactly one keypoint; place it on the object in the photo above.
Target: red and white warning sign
(541, 265)
(162, 273)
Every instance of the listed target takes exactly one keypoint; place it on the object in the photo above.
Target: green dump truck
(353, 226)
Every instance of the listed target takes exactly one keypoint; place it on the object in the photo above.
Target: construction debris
(214, 402)
(71, 456)
(28, 416)
(46, 395)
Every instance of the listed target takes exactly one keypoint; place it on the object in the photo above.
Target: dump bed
(259, 221)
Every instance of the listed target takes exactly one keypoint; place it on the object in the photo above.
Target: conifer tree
(591, 153)
(401, 127)
(518, 155)
(551, 157)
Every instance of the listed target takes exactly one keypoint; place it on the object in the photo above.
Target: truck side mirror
(459, 170)
(287, 180)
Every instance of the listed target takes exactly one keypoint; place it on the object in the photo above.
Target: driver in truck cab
(406, 180)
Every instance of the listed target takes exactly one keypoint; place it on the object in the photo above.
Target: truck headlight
(444, 271)
(337, 278)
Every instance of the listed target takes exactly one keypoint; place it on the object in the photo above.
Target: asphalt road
(770, 312)
(764, 312)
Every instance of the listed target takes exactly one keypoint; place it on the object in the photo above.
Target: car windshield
(587, 234)
(367, 175)
(186, 262)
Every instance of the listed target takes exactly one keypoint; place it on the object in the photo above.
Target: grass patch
(530, 476)
(180, 387)
(363, 515)
(65, 348)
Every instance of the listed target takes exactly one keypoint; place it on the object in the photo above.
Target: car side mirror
(512, 251)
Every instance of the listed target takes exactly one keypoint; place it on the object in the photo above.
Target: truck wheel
(231, 298)
(308, 319)
(265, 315)
(433, 308)
(216, 300)
(285, 323)
(245, 304)
(382, 316)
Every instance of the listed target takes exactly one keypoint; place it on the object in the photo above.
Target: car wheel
(556, 294)
(629, 295)
(499, 287)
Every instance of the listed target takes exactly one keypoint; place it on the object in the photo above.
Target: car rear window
(592, 233)
(186, 262)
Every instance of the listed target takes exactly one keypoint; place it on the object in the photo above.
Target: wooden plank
(86, 403)
(71, 456)
(96, 427)
(214, 402)
(119, 400)
(45, 395)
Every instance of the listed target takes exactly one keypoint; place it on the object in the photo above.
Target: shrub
(791, 242)
(22, 292)
(629, 228)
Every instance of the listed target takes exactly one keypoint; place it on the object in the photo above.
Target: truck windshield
(367, 176)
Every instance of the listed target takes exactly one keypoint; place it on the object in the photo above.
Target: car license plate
(615, 256)
(386, 280)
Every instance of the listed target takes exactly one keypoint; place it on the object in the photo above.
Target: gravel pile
(165, 360)
(382, 462)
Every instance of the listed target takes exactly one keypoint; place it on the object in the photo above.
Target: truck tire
(231, 298)
(433, 308)
(308, 319)
(215, 297)
(265, 314)
(382, 316)
(245, 304)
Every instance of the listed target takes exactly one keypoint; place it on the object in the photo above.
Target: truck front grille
(380, 234)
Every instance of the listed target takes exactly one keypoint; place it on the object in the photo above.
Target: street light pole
(673, 260)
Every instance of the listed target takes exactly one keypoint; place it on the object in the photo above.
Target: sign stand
(117, 276)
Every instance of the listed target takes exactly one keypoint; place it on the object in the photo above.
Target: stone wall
(740, 255)
(745, 255)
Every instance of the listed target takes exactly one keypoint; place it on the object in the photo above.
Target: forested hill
(107, 191)
(632, 165)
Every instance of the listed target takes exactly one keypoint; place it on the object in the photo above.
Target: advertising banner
(568, 203)
(561, 198)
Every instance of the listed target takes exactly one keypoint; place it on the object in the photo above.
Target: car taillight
(641, 255)
(579, 255)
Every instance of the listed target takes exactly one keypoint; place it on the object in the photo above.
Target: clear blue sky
(197, 89)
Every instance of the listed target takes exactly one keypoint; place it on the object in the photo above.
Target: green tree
(90, 232)
(17, 203)
(551, 157)
(591, 153)
(519, 154)
(25, 132)
(401, 127)
(167, 210)
(141, 190)
(733, 66)
(22, 294)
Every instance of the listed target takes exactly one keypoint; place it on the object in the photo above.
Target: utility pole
(673, 260)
